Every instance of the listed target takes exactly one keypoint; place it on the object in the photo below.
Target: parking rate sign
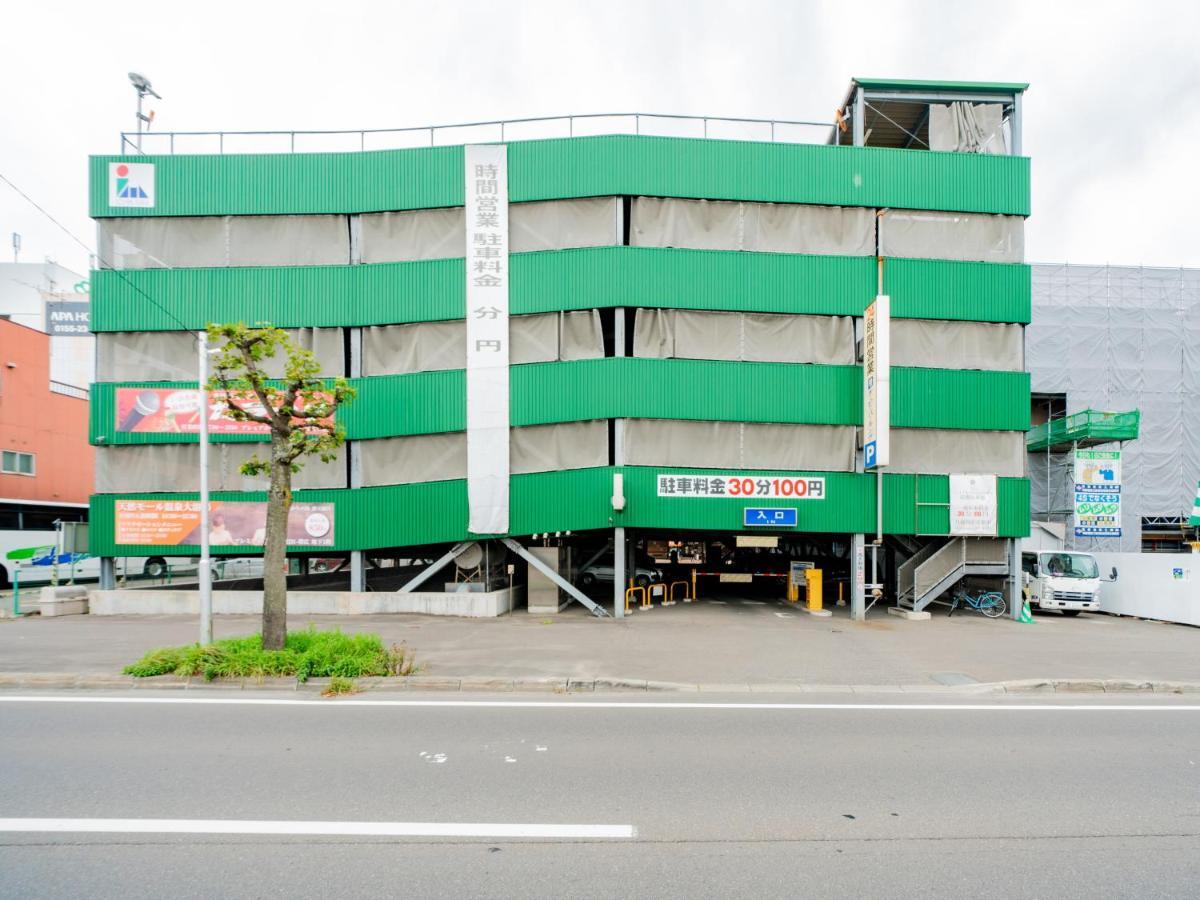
(877, 377)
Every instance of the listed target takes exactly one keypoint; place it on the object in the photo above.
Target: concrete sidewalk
(737, 643)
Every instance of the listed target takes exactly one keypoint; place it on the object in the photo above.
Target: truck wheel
(155, 567)
(1070, 613)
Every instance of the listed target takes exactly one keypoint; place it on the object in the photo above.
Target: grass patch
(306, 654)
(339, 686)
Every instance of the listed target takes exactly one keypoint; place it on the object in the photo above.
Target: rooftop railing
(591, 124)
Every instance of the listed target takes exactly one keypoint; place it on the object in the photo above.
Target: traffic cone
(1026, 614)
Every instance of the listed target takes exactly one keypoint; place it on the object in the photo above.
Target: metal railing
(586, 125)
(68, 390)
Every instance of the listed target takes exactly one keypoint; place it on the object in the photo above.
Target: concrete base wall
(311, 603)
(63, 601)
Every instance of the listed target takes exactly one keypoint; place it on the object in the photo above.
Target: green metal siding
(970, 87)
(630, 387)
(579, 500)
(600, 277)
(277, 184)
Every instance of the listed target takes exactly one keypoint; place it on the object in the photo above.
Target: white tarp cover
(166, 242)
(176, 467)
(489, 347)
(171, 355)
(923, 234)
(541, 225)
(763, 227)
(937, 344)
(749, 445)
(964, 127)
(935, 451)
(441, 457)
(753, 337)
(1119, 338)
(431, 346)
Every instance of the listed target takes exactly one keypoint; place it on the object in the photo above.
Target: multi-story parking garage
(622, 346)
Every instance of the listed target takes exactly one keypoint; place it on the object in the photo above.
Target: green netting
(1092, 426)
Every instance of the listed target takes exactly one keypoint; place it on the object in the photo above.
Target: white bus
(27, 525)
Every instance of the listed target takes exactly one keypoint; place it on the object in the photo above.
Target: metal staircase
(933, 570)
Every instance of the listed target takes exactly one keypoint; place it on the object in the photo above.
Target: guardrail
(585, 125)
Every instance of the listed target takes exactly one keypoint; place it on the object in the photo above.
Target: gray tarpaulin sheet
(440, 233)
(176, 467)
(936, 344)
(754, 337)
(440, 457)
(1117, 338)
(764, 227)
(165, 242)
(950, 235)
(939, 450)
(430, 346)
(171, 355)
(964, 127)
(675, 442)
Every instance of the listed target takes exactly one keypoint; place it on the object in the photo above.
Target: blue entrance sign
(757, 516)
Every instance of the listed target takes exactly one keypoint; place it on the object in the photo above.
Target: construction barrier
(656, 589)
(629, 593)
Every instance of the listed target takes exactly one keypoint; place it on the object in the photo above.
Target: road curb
(59, 681)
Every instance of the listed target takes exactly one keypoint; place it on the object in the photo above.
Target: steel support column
(858, 577)
(515, 547)
(433, 568)
(358, 571)
(108, 573)
(1015, 599)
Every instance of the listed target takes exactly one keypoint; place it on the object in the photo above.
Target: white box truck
(1055, 578)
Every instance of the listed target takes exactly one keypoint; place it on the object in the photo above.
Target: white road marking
(359, 829)
(609, 704)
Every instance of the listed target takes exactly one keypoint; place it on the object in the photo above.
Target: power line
(103, 262)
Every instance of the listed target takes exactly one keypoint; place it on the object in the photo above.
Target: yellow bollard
(693, 594)
(629, 593)
(813, 588)
(841, 601)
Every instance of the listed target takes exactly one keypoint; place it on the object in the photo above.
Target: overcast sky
(1112, 117)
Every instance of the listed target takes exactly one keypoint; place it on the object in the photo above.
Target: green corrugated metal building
(681, 308)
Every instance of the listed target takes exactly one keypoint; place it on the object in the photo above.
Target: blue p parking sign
(761, 517)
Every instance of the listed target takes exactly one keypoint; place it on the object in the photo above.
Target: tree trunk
(279, 501)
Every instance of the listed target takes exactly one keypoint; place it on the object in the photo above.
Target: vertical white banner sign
(877, 378)
(486, 172)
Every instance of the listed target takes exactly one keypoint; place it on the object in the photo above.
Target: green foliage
(306, 654)
(402, 661)
(298, 409)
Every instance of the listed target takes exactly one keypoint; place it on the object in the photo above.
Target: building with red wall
(46, 420)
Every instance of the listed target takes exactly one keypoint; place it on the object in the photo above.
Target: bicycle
(990, 603)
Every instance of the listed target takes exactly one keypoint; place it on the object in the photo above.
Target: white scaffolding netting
(1117, 339)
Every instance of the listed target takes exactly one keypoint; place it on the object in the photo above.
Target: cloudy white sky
(1112, 115)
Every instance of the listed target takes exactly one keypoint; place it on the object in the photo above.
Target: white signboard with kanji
(486, 172)
(733, 485)
(973, 505)
(877, 379)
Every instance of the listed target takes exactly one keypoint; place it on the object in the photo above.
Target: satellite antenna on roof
(142, 85)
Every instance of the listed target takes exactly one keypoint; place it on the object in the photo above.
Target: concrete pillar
(542, 594)
(358, 571)
(108, 573)
(858, 577)
(619, 572)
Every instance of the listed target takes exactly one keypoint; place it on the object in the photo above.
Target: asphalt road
(973, 797)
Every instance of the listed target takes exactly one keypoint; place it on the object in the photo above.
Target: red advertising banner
(176, 411)
(169, 523)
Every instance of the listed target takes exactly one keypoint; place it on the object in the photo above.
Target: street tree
(298, 412)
